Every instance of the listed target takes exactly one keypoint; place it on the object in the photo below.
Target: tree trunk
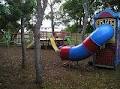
(38, 62)
(52, 18)
(23, 43)
(85, 19)
(80, 25)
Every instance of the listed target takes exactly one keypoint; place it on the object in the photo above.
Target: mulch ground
(55, 75)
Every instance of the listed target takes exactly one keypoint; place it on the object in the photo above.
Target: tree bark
(38, 61)
(23, 43)
(85, 19)
(52, 18)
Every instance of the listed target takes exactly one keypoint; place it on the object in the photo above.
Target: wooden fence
(46, 35)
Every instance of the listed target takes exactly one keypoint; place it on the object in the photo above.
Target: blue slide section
(99, 37)
(102, 34)
(79, 52)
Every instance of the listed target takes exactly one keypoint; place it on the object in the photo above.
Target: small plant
(89, 29)
(7, 38)
(72, 28)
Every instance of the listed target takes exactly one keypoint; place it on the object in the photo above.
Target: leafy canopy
(12, 11)
(73, 8)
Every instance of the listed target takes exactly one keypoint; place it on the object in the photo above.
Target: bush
(89, 29)
(72, 28)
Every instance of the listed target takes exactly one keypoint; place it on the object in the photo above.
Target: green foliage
(12, 11)
(69, 39)
(7, 38)
(28, 7)
(113, 3)
(15, 13)
(89, 28)
(3, 14)
(73, 8)
(72, 28)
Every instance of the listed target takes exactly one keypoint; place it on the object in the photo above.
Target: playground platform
(46, 41)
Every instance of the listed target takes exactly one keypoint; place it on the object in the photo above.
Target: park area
(59, 44)
(56, 75)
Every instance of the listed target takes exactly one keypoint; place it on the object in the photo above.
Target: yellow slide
(52, 40)
(30, 45)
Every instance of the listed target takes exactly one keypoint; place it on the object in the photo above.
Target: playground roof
(107, 13)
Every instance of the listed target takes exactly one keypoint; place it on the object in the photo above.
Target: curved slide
(89, 46)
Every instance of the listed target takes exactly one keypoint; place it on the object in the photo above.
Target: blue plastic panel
(102, 34)
(78, 52)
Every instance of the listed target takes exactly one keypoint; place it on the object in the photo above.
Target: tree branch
(45, 4)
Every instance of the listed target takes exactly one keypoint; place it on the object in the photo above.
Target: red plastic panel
(64, 52)
(90, 45)
(105, 57)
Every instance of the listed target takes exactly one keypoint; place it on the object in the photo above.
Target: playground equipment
(109, 55)
(103, 43)
(47, 37)
(52, 40)
(89, 45)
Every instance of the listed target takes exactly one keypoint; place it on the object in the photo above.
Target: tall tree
(51, 15)
(41, 6)
(73, 10)
(85, 18)
(23, 42)
(26, 7)
(79, 10)
(7, 12)
(18, 11)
